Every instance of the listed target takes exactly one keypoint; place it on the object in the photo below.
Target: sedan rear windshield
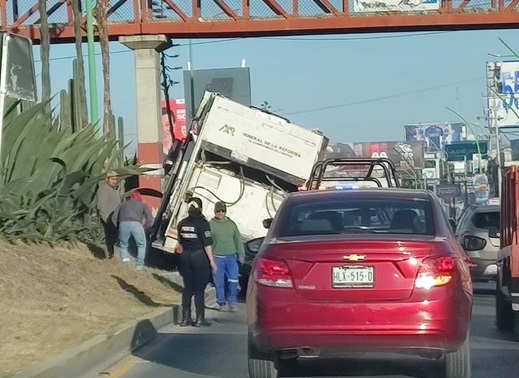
(384, 216)
(486, 220)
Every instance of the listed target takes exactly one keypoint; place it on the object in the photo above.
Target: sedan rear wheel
(457, 364)
(261, 365)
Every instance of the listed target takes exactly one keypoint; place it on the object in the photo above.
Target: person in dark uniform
(196, 262)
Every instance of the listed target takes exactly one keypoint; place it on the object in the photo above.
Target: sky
(355, 88)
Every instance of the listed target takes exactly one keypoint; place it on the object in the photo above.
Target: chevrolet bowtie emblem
(354, 257)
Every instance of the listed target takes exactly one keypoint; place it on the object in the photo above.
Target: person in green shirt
(227, 250)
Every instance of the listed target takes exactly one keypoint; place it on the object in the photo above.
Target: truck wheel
(457, 364)
(261, 365)
(504, 313)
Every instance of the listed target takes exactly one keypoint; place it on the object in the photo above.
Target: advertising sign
(448, 190)
(435, 135)
(371, 6)
(17, 77)
(402, 154)
(233, 83)
(177, 109)
(339, 151)
(460, 151)
(481, 189)
(504, 92)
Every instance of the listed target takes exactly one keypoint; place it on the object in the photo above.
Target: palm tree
(44, 54)
(101, 15)
(80, 113)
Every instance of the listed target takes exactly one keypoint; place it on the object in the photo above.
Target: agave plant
(48, 177)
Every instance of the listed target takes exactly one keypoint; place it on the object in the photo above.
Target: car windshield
(385, 216)
(486, 220)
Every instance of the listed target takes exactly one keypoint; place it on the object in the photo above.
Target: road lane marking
(123, 369)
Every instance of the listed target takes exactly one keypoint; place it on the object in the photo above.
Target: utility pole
(494, 123)
(493, 72)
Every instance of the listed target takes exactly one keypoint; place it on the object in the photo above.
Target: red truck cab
(507, 290)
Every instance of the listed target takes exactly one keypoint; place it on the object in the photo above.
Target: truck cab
(507, 287)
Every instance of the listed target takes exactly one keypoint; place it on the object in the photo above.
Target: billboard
(434, 135)
(459, 151)
(177, 109)
(375, 6)
(233, 83)
(403, 154)
(503, 96)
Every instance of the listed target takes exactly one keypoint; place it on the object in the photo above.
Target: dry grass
(55, 298)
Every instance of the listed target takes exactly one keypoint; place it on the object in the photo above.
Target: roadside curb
(88, 359)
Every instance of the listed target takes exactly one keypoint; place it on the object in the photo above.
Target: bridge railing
(127, 17)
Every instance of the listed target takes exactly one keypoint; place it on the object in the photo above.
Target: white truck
(245, 157)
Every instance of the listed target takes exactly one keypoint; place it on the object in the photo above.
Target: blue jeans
(135, 230)
(227, 272)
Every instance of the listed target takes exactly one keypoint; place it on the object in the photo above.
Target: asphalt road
(220, 351)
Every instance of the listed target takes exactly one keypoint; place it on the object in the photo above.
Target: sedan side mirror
(255, 244)
(267, 222)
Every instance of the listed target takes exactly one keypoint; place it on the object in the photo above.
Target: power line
(373, 37)
(303, 39)
(84, 55)
(381, 98)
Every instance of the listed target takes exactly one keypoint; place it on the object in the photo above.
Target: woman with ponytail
(196, 262)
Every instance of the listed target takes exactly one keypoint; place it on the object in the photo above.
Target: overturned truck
(245, 157)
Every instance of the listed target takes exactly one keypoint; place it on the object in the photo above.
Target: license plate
(352, 276)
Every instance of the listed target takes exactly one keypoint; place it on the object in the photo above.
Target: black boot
(200, 321)
(186, 318)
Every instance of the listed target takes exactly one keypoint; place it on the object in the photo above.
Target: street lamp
(501, 56)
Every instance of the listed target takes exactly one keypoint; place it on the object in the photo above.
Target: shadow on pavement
(397, 366)
(484, 287)
(220, 355)
(485, 326)
(208, 355)
(144, 333)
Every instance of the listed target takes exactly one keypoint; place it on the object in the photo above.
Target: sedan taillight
(433, 272)
(272, 273)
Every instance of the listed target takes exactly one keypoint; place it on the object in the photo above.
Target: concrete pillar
(146, 50)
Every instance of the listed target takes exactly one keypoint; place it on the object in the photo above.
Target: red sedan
(369, 270)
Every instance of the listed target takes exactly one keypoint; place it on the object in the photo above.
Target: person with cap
(107, 201)
(227, 249)
(196, 262)
(131, 217)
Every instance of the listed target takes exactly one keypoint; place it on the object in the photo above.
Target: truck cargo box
(245, 157)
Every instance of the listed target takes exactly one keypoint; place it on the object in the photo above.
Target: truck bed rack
(321, 172)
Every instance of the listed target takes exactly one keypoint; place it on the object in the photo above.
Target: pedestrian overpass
(250, 18)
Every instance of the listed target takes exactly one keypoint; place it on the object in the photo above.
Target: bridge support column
(146, 50)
